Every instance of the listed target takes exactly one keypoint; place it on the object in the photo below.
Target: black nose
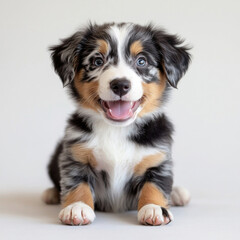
(120, 86)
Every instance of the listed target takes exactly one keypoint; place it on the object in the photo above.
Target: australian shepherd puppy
(116, 151)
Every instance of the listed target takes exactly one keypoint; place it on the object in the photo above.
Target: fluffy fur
(116, 152)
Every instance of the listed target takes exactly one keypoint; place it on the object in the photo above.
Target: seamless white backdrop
(205, 108)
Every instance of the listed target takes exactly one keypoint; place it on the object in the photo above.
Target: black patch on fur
(76, 173)
(155, 175)
(105, 179)
(74, 93)
(53, 166)
(153, 132)
(80, 123)
(174, 58)
(103, 205)
(74, 141)
(161, 176)
(113, 54)
(165, 212)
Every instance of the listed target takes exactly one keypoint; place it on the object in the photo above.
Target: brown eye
(98, 62)
(141, 62)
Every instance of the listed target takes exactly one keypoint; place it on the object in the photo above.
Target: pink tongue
(120, 109)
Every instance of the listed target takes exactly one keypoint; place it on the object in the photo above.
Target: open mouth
(120, 110)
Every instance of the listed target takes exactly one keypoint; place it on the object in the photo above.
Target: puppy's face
(120, 71)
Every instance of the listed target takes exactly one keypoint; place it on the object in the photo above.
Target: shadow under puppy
(116, 152)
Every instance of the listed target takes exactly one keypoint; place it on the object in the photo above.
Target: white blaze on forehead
(120, 35)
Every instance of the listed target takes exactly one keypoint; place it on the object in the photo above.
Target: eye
(141, 61)
(98, 61)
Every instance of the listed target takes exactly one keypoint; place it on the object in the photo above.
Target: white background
(205, 110)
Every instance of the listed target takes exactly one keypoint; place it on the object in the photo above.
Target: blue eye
(98, 62)
(141, 62)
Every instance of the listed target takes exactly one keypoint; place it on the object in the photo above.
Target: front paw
(77, 213)
(152, 214)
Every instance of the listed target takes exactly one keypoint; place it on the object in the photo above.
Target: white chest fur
(117, 156)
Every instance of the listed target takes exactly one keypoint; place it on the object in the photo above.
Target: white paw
(77, 213)
(51, 196)
(152, 214)
(180, 196)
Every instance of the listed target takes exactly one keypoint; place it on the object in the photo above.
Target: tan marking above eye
(136, 48)
(81, 193)
(103, 46)
(150, 194)
(148, 162)
(152, 94)
(83, 155)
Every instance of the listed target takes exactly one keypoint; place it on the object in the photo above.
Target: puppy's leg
(77, 185)
(78, 206)
(152, 206)
(180, 196)
(154, 194)
(52, 195)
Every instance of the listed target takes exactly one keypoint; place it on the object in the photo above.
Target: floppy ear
(64, 57)
(174, 58)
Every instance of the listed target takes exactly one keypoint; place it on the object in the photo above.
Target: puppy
(116, 151)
